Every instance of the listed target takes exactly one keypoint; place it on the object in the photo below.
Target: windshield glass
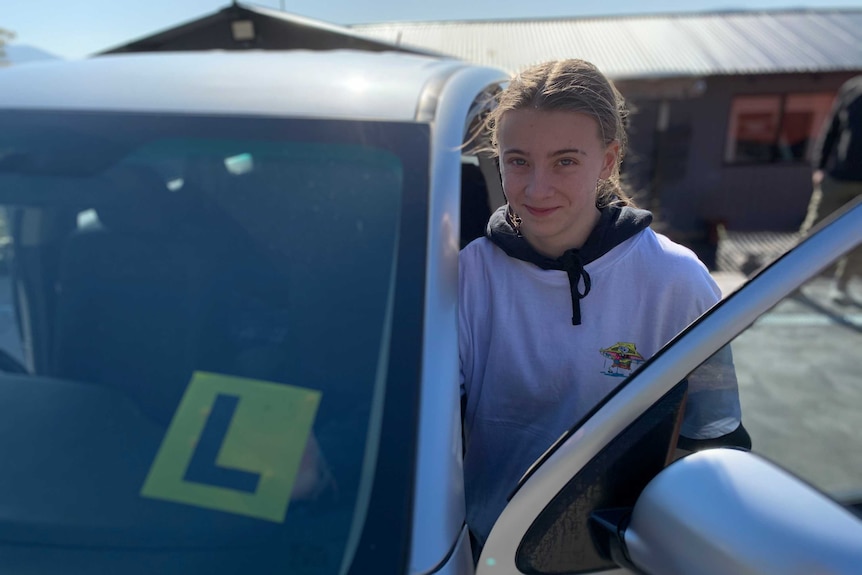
(196, 322)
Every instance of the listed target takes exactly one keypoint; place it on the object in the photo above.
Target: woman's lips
(539, 212)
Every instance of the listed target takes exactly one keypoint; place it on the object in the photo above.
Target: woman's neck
(572, 238)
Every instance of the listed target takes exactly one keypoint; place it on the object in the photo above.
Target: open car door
(612, 495)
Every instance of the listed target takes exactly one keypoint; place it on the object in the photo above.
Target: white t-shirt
(529, 375)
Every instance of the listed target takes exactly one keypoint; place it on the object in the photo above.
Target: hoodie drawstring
(574, 268)
(616, 225)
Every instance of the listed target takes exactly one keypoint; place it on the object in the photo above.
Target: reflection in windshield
(205, 322)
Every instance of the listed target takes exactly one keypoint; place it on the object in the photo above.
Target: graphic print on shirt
(621, 359)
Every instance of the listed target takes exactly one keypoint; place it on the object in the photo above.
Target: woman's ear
(609, 161)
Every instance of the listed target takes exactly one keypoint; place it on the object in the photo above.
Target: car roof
(339, 84)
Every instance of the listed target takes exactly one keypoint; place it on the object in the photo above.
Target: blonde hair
(572, 86)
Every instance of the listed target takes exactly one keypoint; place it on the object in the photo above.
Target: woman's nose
(539, 185)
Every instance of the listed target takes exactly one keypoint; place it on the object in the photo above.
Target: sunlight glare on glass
(239, 164)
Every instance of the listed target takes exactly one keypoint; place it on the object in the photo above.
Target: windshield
(198, 321)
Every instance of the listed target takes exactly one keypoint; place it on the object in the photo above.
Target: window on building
(775, 128)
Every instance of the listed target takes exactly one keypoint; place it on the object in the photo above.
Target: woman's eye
(567, 162)
(518, 162)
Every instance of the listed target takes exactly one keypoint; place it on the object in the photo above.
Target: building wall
(682, 174)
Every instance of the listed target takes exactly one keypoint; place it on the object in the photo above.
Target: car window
(801, 387)
(611, 481)
(198, 320)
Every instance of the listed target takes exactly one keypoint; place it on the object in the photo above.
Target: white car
(230, 344)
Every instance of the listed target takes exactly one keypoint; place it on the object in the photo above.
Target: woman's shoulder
(664, 258)
(482, 262)
(668, 250)
(480, 251)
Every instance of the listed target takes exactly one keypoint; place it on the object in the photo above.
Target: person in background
(837, 176)
(570, 290)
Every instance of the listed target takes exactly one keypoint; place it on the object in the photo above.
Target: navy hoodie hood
(616, 225)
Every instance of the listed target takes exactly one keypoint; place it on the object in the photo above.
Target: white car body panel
(352, 85)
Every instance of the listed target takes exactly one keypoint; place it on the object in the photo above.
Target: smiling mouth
(539, 212)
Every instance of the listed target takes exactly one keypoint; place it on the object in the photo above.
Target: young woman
(570, 290)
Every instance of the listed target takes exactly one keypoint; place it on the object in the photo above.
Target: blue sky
(76, 28)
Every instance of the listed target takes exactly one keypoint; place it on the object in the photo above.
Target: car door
(590, 503)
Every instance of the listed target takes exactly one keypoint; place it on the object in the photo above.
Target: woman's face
(551, 162)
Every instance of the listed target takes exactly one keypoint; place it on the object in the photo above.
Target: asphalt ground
(800, 384)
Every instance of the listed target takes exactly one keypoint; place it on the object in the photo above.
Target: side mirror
(729, 511)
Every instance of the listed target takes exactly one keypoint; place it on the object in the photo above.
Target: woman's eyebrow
(553, 154)
(565, 151)
(562, 152)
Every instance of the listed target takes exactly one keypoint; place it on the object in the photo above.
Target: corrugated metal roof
(655, 46)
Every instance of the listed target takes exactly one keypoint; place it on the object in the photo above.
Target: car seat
(131, 292)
